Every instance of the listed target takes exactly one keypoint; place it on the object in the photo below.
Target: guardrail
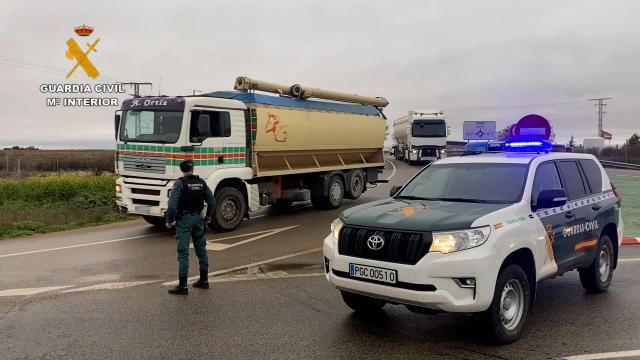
(619, 165)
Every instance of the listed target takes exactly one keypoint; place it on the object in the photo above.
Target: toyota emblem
(375, 242)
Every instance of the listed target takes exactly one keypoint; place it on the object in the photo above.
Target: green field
(629, 187)
(54, 203)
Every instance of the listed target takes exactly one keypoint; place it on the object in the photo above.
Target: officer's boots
(203, 282)
(182, 288)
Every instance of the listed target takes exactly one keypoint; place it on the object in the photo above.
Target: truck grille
(148, 164)
(399, 247)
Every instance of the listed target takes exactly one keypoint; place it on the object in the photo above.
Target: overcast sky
(476, 60)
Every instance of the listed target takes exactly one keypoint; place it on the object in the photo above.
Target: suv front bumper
(442, 271)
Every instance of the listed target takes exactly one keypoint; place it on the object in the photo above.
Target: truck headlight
(449, 241)
(336, 226)
(118, 189)
(413, 151)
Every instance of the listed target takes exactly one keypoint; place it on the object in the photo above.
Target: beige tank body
(289, 140)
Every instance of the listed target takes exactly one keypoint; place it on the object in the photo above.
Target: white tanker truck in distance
(252, 149)
(421, 136)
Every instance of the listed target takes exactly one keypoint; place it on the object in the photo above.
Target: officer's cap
(186, 166)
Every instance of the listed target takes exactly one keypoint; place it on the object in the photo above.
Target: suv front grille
(399, 247)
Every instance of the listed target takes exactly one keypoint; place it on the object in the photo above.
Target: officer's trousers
(191, 226)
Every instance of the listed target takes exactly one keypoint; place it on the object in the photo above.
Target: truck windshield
(480, 182)
(152, 126)
(436, 128)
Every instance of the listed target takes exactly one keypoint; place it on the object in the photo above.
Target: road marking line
(393, 173)
(272, 232)
(76, 246)
(30, 291)
(629, 260)
(111, 286)
(240, 267)
(262, 276)
(609, 355)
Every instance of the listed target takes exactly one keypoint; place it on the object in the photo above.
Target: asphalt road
(101, 293)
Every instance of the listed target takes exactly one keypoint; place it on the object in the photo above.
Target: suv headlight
(449, 241)
(336, 226)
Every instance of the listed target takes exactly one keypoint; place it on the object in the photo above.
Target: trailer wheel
(334, 197)
(231, 207)
(356, 185)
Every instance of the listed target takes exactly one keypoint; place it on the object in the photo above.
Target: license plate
(373, 273)
(144, 209)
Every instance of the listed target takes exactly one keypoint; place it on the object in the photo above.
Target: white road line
(609, 355)
(629, 260)
(30, 291)
(111, 286)
(262, 276)
(76, 246)
(393, 173)
(213, 246)
(236, 268)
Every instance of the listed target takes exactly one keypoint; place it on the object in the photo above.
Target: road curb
(631, 240)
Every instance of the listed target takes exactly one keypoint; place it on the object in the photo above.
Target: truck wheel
(508, 312)
(597, 277)
(159, 223)
(362, 304)
(356, 185)
(334, 197)
(230, 209)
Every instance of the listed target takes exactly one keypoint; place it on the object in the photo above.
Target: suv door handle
(596, 207)
(570, 214)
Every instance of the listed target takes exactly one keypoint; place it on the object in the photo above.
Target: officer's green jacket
(174, 200)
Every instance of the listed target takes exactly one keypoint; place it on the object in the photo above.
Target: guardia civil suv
(476, 233)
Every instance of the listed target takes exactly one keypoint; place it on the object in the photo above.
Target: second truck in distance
(421, 136)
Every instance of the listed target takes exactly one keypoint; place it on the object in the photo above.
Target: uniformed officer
(185, 213)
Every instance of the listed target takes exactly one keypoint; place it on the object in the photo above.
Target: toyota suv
(476, 233)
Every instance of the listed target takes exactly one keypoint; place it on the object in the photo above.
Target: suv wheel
(597, 277)
(508, 312)
(361, 303)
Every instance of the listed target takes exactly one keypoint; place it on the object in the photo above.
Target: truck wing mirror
(394, 190)
(551, 198)
(204, 126)
(116, 124)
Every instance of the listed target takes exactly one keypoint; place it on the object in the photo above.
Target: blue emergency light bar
(528, 146)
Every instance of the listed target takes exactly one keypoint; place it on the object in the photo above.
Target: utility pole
(601, 104)
(136, 87)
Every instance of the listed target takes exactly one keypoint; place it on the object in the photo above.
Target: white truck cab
(421, 136)
(476, 233)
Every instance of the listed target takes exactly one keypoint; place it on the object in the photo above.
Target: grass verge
(629, 187)
(56, 203)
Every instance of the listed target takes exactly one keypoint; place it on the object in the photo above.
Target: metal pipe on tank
(300, 91)
(244, 83)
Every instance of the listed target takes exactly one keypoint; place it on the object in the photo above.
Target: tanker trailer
(253, 149)
(420, 136)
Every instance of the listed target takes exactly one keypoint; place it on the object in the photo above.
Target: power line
(29, 65)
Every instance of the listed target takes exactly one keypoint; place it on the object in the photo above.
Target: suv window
(219, 123)
(478, 182)
(592, 173)
(572, 179)
(547, 178)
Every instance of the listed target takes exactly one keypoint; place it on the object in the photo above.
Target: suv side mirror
(394, 190)
(551, 198)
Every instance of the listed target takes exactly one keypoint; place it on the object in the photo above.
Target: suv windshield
(480, 182)
(152, 126)
(434, 128)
